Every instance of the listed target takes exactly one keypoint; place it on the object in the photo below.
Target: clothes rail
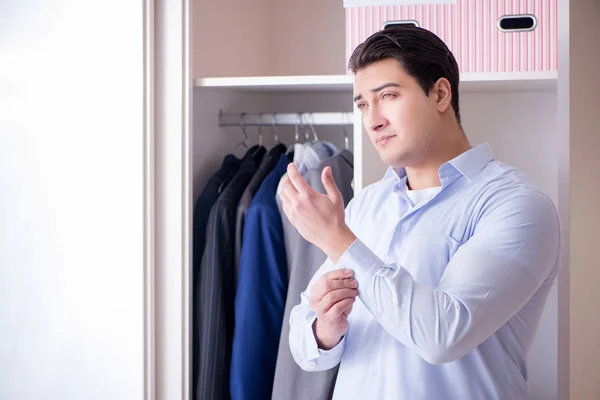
(292, 119)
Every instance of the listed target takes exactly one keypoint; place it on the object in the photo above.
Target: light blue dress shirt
(451, 290)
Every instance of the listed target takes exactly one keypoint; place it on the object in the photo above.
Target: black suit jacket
(216, 184)
(216, 293)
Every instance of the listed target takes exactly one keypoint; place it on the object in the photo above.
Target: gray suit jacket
(304, 259)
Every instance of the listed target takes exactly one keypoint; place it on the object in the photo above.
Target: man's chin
(392, 160)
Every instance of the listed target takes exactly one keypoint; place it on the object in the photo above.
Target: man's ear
(443, 92)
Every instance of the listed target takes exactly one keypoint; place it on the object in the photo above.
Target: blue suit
(261, 294)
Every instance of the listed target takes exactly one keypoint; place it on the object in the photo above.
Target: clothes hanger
(260, 123)
(245, 140)
(260, 146)
(297, 128)
(331, 148)
(275, 136)
(296, 137)
(312, 128)
(306, 131)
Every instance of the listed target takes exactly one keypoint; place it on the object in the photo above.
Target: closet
(266, 68)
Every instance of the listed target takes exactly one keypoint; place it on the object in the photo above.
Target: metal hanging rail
(290, 119)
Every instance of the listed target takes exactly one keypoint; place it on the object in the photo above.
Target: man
(437, 275)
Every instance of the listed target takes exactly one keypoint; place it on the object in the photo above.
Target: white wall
(267, 37)
(308, 37)
(580, 127)
(521, 128)
(71, 203)
(229, 37)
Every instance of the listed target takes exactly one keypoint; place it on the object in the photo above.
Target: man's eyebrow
(378, 88)
(385, 85)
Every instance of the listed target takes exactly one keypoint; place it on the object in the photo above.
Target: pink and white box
(478, 32)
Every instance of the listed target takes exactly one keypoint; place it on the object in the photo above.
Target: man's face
(399, 117)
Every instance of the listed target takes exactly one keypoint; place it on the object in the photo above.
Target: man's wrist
(324, 340)
(339, 244)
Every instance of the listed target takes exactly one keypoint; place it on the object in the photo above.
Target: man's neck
(425, 175)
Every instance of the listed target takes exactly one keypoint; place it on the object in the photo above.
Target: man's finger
(320, 287)
(330, 285)
(339, 274)
(347, 311)
(297, 180)
(285, 204)
(288, 188)
(335, 296)
(330, 187)
(339, 308)
(284, 198)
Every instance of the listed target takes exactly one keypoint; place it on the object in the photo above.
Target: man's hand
(319, 218)
(331, 299)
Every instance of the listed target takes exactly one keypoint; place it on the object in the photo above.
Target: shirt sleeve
(514, 249)
(303, 344)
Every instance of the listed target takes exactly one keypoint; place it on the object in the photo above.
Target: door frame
(169, 364)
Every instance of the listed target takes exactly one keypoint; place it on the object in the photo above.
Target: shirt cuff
(312, 349)
(365, 264)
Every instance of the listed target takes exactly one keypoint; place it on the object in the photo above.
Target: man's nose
(377, 121)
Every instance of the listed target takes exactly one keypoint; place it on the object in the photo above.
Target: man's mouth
(384, 139)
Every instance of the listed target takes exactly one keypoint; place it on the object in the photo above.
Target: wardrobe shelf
(533, 81)
(471, 82)
(280, 83)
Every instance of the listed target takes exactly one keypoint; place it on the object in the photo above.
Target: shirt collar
(396, 174)
(469, 164)
(472, 161)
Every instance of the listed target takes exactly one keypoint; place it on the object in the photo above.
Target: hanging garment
(298, 150)
(268, 163)
(210, 193)
(311, 155)
(260, 299)
(215, 185)
(216, 295)
(304, 259)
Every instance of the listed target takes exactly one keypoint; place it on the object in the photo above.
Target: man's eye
(385, 95)
(361, 106)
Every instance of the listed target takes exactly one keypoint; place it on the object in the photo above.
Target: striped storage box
(471, 30)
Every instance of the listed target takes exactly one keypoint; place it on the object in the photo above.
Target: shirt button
(374, 372)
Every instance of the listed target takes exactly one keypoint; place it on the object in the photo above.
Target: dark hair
(420, 52)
